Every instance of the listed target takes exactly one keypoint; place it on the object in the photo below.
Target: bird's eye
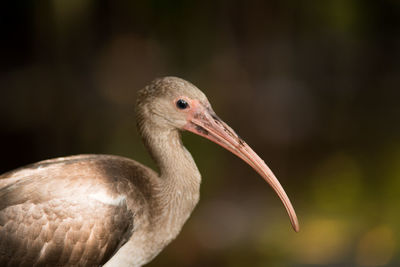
(182, 104)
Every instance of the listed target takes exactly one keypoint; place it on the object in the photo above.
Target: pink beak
(204, 122)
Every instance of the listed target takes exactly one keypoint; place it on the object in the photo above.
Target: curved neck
(171, 157)
(179, 179)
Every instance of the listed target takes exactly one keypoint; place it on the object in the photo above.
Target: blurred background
(312, 86)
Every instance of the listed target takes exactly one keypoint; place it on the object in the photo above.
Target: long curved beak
(204, 122)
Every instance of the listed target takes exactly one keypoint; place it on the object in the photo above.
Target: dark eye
(182, 104)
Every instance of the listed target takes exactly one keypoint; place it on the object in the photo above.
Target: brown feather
(58, 223)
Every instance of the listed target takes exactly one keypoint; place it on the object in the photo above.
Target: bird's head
(171, 103)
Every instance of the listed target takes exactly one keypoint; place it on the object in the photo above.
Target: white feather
(106, 199)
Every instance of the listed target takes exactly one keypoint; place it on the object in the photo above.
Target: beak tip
(296, 227)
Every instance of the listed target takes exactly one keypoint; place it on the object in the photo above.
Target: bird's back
(71, 211)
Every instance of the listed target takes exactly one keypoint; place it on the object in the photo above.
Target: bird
(93, 209)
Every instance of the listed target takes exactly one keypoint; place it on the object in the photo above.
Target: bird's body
(92, 210)
(86, 216)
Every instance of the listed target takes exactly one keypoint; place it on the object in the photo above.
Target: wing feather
(48, 217)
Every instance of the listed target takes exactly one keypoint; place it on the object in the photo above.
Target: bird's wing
(63, 212)
(62, 232)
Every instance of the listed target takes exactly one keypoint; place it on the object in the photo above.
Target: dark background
(312, 86)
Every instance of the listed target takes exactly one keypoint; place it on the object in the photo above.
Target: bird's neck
(179, 179)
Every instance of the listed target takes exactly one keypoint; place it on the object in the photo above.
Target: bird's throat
(179, 179)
